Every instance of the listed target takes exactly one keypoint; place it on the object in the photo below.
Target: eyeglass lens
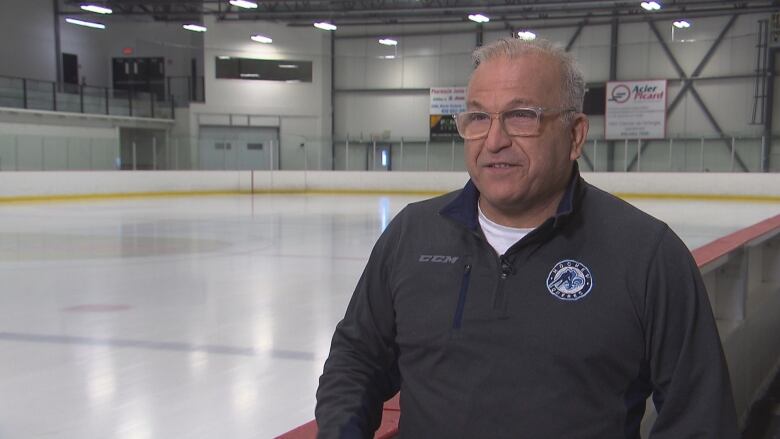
(516, 122)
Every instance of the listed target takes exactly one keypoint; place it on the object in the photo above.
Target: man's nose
(497, 138)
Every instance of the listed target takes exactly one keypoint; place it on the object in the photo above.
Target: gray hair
(573, 85)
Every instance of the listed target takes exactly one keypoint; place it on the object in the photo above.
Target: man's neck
(522, 216)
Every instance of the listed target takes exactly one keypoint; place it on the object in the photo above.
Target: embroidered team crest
(569, 280)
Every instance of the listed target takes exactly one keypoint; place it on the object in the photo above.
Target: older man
(529, 304)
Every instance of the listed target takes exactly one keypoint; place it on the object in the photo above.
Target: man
(529, 304)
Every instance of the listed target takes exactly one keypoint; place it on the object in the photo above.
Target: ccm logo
(438, 258)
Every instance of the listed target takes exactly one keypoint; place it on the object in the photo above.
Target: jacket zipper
(464, 287)
(499, 298)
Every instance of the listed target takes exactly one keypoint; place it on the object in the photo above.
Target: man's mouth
(500, 165)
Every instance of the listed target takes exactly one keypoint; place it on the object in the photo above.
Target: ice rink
(198, 317)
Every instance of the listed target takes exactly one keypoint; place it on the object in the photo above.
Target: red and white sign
(635, 110)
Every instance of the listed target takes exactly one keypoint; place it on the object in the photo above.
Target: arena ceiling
(378, 12)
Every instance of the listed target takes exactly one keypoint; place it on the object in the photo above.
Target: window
(263, 69)
(595, 100)
(254, 146)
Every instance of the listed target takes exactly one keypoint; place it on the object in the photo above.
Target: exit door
(140, 75)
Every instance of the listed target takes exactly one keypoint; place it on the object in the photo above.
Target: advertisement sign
(445, 101)
(448, 100)
(442, 126)
(635, 110)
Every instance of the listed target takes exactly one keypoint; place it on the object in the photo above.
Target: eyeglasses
(523, 121)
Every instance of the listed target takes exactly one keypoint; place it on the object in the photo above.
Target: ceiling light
(387, 57)
(243, 4)
(223, 57)
(325, 26)
(681, 24)
(388, 42)
(479, 18)
(288, 66)
(195, 27)
(262, 39)
(650, 6)
(526, 35)
(85, 23)
(96, 9)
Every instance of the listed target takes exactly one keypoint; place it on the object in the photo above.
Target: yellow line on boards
(112, 196)
(702, 197)
(131, 195)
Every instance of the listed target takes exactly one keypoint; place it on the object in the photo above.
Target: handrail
(172, 91)
(713, 251)
(706, 256)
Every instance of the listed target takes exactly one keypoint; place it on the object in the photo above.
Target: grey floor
(197, 317)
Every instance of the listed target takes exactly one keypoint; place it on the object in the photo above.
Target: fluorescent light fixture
(195, 27)
(526, 35)
(388, 42)
(387, 57)
(223, 57)
(325, 26)
(681, 24)
(250, 75)
(86, 23)
(262, 39)
(288, 66)
(243, 4)
(96, 9)
(650, 6)
(479, 18)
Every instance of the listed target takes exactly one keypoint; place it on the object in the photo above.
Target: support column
(769, 109)
(332, 103)
(57, 45)
(613, 55)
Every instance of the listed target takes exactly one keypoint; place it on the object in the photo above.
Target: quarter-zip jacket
(482, 346)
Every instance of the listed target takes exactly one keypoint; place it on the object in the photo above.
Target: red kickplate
(388, 429)
(305, 431)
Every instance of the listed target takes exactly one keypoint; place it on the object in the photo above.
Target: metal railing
(743, 153)
(35, 94)
(297, 152)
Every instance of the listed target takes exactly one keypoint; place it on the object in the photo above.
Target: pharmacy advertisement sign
(635, 110)
(445, 102)
(448, 100)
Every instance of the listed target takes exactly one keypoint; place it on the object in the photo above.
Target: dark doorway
(140, 75)
(70, 72)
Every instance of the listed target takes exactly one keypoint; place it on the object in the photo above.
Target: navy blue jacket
(564, 336)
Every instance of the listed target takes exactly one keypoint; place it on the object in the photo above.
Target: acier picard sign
(635, 110)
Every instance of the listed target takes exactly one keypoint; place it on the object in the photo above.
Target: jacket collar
(463, 209)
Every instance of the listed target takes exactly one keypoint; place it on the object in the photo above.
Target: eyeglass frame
(540, 111)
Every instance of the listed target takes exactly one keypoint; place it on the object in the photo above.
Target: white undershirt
(500, 237)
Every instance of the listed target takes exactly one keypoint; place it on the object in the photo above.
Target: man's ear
(578, 132)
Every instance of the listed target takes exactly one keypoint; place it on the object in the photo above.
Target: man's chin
(502, 201)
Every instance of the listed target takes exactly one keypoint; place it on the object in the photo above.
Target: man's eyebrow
(514, 103)
(520, 102)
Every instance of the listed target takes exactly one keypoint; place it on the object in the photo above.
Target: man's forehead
(526, 79)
